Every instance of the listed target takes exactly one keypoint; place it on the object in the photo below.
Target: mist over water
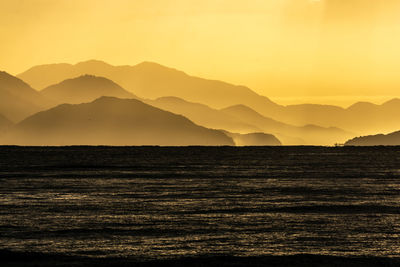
(156, 203)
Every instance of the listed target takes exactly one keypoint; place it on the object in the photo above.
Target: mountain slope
(5, 124)
(17, 99)
(151, 80)
(362, 117)
(83, 89)
(203, 115)
(289, 134)
(392, 139)
(111, 121)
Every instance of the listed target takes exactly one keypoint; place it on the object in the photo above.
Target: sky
(294, 51)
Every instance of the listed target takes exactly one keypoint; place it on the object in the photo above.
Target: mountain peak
(152, 80)
(361, 105)
(171, 99)
(89, 77)
(392, 102)
(157, 68)
(17, 99)
(111, 99)
(88, 80)
(112, 121)
(4, 74)
(241, 108)
(8, 79)
(150, 63)
(93, 63)
(84, 88)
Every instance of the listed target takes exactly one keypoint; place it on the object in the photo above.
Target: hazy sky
(293, 49)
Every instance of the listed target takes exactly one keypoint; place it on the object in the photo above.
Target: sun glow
(288, 48)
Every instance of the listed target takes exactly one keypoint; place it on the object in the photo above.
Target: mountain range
(238, 114)
(151, 80)
(289, 134)
(242, 119)
(203, 114)
(111, 121)
(361, 117)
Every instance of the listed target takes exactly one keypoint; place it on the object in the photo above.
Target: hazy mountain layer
(362, 117)
(150, 80)
(83, 89)
(392, 139)
(242, 119)
(289, 134)
(203, 115)
(17, 99)
(111, 121)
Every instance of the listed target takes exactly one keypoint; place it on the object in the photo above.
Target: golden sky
(326, 50)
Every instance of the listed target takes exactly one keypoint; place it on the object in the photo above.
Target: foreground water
(157, 203)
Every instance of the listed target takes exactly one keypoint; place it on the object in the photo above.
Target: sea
(159, 203)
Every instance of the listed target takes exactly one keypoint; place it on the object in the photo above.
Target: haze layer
(333, 50)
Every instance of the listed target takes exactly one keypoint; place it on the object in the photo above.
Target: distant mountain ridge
(18, 100)
(84, 89)
(203, 115)
(152, 80)
(244, 120)
(361, 117)
(290, 134)
(111, 121)
(392, 139)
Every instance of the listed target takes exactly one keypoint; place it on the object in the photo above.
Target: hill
(111, 121)
(17, 99)
(392, 139)
(83, 89)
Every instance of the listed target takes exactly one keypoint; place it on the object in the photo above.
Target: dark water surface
(158, 203)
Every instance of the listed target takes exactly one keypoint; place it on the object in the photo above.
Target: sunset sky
(330, 51)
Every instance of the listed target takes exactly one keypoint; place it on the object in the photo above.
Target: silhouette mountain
(392, 139)
(111, 121)
(289, 134)
(374, 118)
(150, 80)
(17, 99)
(84, 89)
(203, 115)
(254, 139)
